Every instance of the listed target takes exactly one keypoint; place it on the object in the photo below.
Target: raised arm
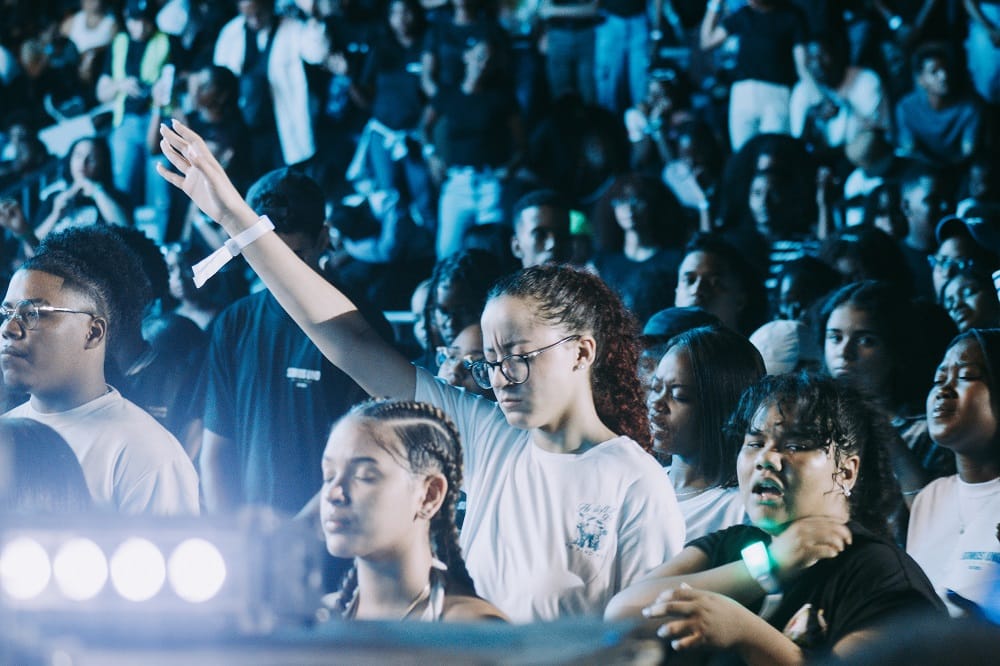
(328, 317)
(712, 33)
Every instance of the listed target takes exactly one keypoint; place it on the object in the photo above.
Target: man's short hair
(933, 50)
(539, 198)
(292, 200)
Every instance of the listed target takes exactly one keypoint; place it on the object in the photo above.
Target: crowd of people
(704, 325)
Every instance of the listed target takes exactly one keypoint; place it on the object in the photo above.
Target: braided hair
(431, 443)
(582, 302)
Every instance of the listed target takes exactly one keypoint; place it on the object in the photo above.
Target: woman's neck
(577, 431)
(685, 477)
(636, 247)
(387, 588)
(974, 470)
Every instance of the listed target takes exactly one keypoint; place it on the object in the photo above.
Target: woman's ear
(586, 352)
(848, 472)
(435, 488)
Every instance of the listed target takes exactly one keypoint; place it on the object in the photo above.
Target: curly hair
(830, 412)
(96, 260)
(431, 443)
(582, 302)
(471, 273)
(725, 363)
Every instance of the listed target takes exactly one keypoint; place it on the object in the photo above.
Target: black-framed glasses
(27, 313)
(515, 367)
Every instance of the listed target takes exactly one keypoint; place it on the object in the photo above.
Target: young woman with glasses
(566, 507)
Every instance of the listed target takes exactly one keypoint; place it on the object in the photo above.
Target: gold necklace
(424, 594)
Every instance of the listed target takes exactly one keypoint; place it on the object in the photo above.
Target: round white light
(196, 570)
(80, 568)
(137, 570)
(24, 568)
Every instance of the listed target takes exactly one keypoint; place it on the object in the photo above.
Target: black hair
(418, 11)
(875, 255)
(430, 443)
(472, 272)
(44, 473)
(754, 311)
(96, 262)
(725, 364)
(662, 217)
(814, 277)
(893, 316)
(102, 155)
(833, 414)
(933, 50)
(292, 200)
(988, 340)
(547, 198)
(581, 302)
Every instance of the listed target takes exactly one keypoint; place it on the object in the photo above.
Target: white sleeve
(798, 106)
(160, 486)
(479, 421)
(313, 43)
(652, 528)
(636, 125)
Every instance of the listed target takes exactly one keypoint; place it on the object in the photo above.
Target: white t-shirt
(550, 535)
(131, 463)
(860, 100)
(711, 511)
(953, 537)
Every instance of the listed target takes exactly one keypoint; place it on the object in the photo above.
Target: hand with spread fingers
(701, 619)
(201, 176)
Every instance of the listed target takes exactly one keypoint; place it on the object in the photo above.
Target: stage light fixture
(138, 569)
(24, 568)
(81, 569)
(196, 570)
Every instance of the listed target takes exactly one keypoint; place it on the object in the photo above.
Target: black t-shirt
(645, 287)
(133, 63)
(767, 40)
(270, 390)
(477, 125)
(392, 72)
(624, 8)
(871, 582)
(447, 41)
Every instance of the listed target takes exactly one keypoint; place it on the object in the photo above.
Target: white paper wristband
(214, 262)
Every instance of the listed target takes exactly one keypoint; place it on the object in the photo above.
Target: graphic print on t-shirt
(591, 527)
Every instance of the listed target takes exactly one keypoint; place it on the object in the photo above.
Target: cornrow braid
(431, 440)
(348, 592)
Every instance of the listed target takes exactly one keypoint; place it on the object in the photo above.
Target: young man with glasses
(57, 318)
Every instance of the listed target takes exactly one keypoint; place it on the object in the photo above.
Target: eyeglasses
(948, 264)
(449, 355)
(515, 367)
(27, 313)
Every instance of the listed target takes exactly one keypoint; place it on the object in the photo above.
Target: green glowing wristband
(758, 562)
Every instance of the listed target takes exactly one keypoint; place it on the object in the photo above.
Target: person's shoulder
(463, 608)
(933, 493)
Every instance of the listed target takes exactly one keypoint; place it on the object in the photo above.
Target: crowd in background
(818, 178)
